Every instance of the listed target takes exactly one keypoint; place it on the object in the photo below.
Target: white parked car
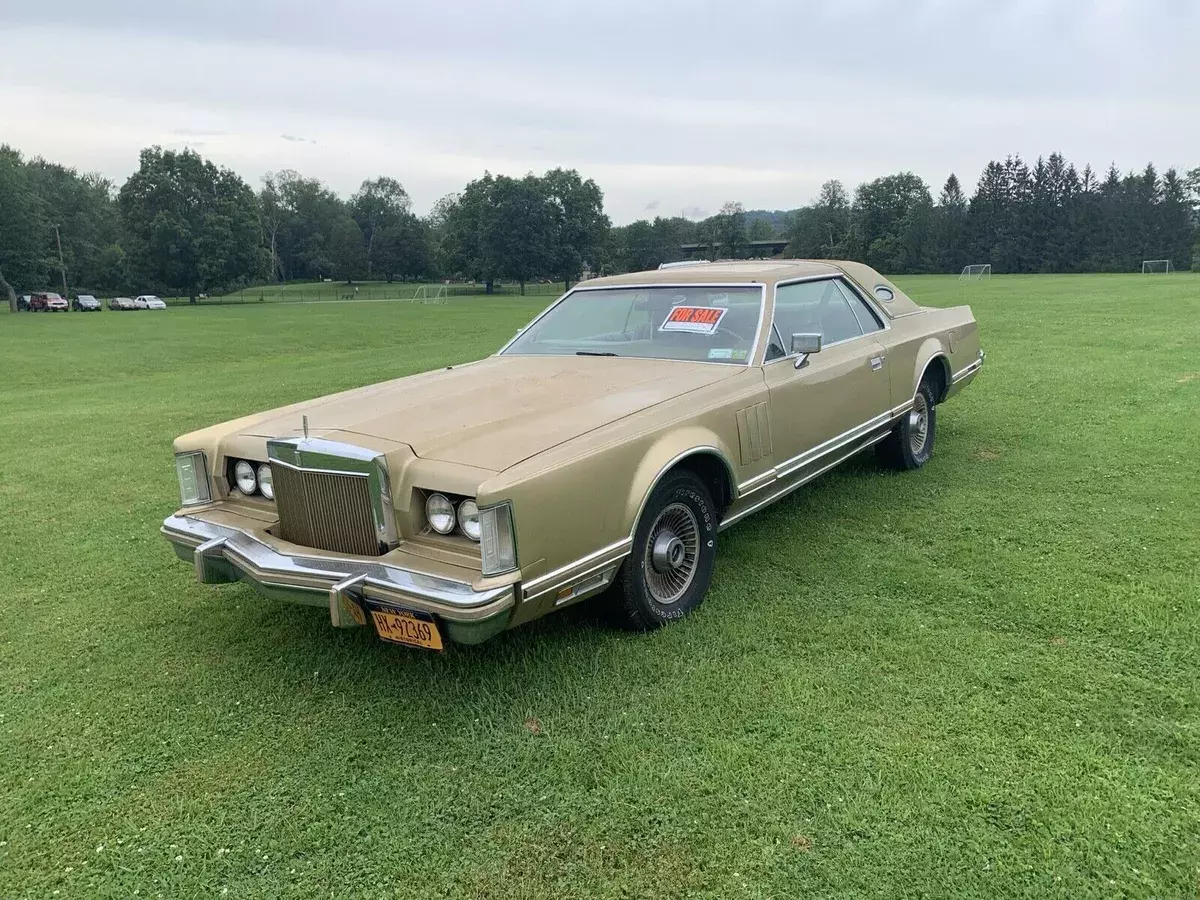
(153, 302)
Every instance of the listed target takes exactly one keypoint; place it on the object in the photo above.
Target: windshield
(693, 322)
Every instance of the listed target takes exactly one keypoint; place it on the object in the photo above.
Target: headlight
(498, 542)
(193, 478)
(468, 519)
(264, 482)
(440, 513)
(243, 474)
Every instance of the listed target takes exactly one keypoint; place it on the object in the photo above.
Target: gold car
(606, 445)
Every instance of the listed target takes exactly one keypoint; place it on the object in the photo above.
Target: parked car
(121, 304)
(139, 302)
(153, 302)
(606, 445)
(47, 301)
(23, 303)
(86, 303)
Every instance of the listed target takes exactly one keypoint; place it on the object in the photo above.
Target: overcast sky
(671, 106)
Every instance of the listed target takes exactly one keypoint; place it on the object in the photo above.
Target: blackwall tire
(670, 566)
(910, 443)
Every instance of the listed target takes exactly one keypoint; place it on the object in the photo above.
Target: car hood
(497, 412)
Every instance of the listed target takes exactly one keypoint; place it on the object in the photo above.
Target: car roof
(734, 270)
(765, 271)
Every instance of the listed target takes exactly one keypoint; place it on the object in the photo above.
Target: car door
(837, 393)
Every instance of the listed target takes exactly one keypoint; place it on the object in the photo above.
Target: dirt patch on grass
(1190, 376)
(802, 843)
(985, 454)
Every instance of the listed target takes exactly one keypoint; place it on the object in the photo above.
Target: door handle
(876, 363)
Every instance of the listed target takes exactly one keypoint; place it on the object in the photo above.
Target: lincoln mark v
(603, 449)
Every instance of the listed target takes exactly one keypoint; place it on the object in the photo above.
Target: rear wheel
(674, 547)
(910, 443)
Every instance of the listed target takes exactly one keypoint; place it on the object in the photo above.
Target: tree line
(1048, 217)
(181, 225)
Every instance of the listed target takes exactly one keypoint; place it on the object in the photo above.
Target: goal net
(1157, 267)
(422, 295)
(976, 272)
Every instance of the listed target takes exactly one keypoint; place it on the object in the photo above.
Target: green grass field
(980, 679)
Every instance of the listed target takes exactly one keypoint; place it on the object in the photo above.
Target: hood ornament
(304, 423)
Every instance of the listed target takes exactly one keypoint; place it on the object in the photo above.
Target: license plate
(406, 628)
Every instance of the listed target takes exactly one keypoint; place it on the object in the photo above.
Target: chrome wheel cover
(672, 553)
(918, 425)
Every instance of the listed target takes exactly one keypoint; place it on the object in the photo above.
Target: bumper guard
(347, 586)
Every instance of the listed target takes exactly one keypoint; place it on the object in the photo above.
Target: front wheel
(910, 443)
(674, 547)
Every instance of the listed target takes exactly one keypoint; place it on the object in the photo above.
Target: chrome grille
(326, 510)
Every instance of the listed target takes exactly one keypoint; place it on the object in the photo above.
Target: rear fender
(933, 352)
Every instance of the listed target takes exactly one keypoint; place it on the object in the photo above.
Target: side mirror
(804, 344)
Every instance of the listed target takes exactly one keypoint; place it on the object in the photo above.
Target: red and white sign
(694, 319)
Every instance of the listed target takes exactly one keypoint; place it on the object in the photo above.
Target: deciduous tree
(189, 226)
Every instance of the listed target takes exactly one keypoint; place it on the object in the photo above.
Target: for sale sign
(694, 319)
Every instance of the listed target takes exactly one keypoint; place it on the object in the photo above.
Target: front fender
(668, 451)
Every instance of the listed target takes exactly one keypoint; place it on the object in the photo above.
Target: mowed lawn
(980, 679)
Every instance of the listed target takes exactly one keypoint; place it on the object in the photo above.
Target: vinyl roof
(756, 270)
(770, 271)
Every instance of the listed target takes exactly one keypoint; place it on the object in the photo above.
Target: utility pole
(62, 267)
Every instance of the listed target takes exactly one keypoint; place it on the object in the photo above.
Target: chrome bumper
(346, 586)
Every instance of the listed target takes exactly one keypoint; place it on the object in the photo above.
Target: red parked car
(47, 301)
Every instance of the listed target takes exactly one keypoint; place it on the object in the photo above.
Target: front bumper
(347, 586)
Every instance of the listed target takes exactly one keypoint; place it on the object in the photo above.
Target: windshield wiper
(594, 353)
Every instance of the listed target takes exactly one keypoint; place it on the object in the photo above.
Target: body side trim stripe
(785, 468)
(966, 370)
(550, 580)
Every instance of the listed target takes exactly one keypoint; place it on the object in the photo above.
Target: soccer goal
(422, 295)
(1157, 267)
(976, 272)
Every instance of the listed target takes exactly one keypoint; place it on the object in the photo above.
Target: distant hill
(776, 218)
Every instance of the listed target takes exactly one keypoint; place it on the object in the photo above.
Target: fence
(327, 292)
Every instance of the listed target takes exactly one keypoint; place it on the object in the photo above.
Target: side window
(838, 322)
(865, 315)
(797, 310)
(814, 306)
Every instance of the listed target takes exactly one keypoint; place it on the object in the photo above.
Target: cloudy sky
(671, 106)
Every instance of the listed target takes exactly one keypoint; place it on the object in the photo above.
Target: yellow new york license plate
(405, 628)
